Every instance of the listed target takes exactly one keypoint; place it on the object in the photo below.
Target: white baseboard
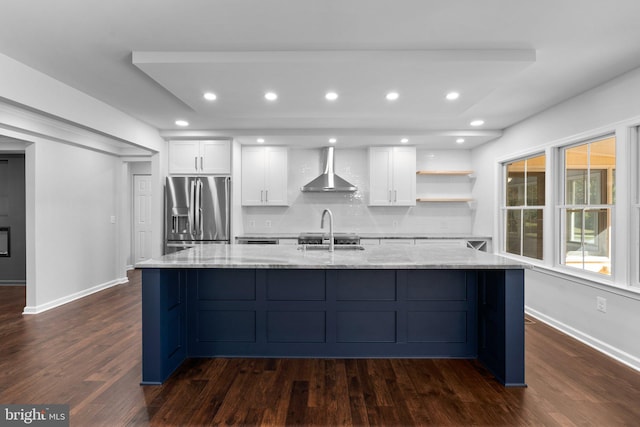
(613, 352)
(12, 283)
(69, 298)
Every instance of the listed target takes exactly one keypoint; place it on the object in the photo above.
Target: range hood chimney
(328, 181)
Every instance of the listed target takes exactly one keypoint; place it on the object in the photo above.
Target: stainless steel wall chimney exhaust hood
(328, 181)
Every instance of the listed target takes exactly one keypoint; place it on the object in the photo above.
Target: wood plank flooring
(87, 354)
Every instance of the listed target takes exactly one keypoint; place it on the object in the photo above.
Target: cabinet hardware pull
(261, 191)
(195, 162)
(201, 163)
(192, 208)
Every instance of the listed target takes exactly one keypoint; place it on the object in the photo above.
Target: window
(523, 209)
(589, 197)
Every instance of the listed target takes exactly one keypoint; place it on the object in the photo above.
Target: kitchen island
(288, 301)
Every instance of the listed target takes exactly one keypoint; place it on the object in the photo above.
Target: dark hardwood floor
(87, 354)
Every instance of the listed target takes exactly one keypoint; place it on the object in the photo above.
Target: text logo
(34, 415)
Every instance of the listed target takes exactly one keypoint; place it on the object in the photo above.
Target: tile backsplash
(351, 211)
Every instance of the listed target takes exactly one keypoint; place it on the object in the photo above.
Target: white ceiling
(153, 60)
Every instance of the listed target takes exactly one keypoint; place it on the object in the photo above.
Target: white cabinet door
(404, 176)
(253, 170)
(380, 176)
(392, 179)
(200, 157)
(184, 157)
(215, 157)
(264, 176)
(275, 176)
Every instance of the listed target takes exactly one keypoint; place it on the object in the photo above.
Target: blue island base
(333, 313)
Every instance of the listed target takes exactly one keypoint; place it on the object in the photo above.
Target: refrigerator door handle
(198, 207)
(192, 207)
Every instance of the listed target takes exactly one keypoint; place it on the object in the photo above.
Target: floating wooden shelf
(423, 172)
(444, 199)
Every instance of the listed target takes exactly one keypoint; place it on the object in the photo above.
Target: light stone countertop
(291, 257)
(372, 235)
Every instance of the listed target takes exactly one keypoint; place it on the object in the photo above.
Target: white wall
(76, 195)
(351, 210)
(75, 183)
(565, 302)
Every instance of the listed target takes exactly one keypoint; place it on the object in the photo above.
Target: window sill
(605, 283)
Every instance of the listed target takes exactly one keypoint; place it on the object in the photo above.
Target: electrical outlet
(113, 219)
(601, 304)
(252, 224)
(267, 223)
(395, 224)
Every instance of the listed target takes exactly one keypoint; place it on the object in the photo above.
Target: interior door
(142, 227)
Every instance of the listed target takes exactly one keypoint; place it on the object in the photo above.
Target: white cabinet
(200, 157)
(392, 179)
(264, 176)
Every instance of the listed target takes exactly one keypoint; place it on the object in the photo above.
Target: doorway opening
(13, 252)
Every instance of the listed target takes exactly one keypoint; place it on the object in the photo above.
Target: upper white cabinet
(392, 176)
(264, 176)
(200, 157)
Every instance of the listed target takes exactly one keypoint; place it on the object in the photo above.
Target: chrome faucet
(327, 211)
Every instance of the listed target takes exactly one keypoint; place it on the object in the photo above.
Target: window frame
(505, 208)
(634, 244)
(561, 207)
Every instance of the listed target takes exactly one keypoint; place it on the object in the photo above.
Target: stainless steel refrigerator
(196, 211)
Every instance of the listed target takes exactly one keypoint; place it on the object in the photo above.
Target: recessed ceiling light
(453, 96)
(271, 96)
(260, 140)
(392, 96)
(460, 140)
(331, 96)
(332, 140)
(404, 140)
(210, 96)
(477, 123)
(182, 123)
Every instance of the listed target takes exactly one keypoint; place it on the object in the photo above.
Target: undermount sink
(326, 247)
